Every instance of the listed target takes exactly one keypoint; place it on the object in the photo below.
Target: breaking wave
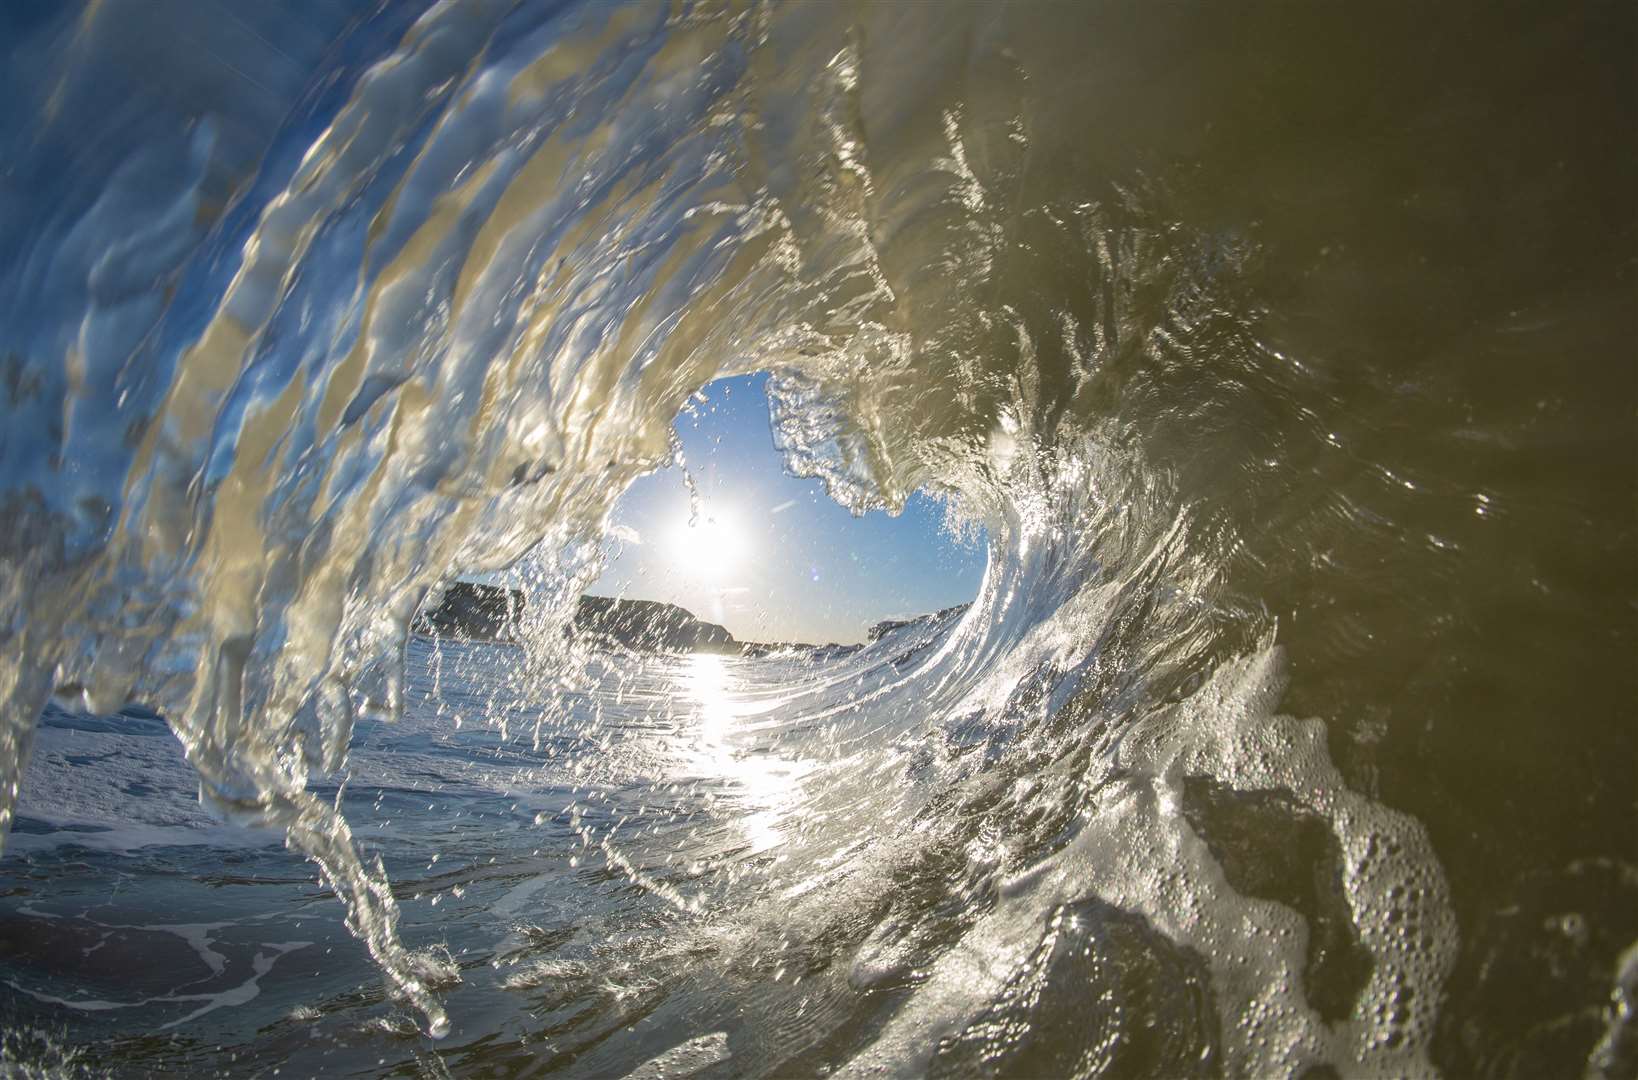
(306, 314)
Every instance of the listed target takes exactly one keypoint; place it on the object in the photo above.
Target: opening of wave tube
(728, 534)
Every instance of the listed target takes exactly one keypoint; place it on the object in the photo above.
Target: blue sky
(776, 559)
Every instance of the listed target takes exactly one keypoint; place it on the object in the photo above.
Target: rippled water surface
(1284, 355)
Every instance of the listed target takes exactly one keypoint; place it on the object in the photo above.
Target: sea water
(1282, 353)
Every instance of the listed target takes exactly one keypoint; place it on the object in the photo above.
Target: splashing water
(1283, 376)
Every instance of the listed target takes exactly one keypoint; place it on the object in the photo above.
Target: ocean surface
(589, 873)
(1284, 355)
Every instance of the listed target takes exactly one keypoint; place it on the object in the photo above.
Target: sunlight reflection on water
(766, 784)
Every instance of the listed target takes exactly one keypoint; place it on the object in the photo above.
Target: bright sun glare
(713, 546)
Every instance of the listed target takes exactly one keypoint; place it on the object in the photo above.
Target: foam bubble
(1137, 851)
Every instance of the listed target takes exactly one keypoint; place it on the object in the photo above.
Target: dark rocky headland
(474, 612)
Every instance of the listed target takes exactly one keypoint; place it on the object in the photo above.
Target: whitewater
(1282, 356)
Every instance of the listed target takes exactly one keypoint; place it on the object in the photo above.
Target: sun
(713, 546)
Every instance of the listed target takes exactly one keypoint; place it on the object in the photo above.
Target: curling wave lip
(1220, 322)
